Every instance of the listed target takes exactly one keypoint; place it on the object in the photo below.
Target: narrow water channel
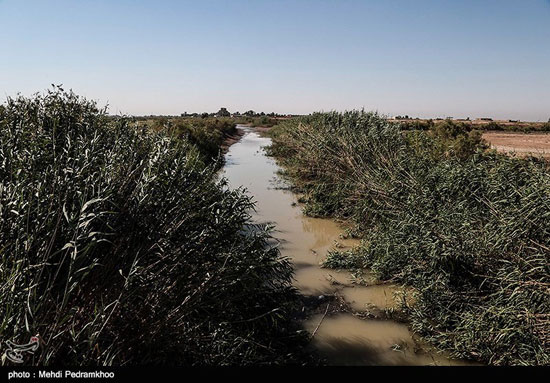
(342, 338)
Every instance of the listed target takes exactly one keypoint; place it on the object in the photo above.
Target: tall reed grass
(467, 228)
(207, 134)
(119, 246)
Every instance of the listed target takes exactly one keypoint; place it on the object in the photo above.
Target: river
(355, 335)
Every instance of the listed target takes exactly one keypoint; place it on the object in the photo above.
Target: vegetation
(207, 134)
(465, 227)
(257, 120)
(119, 245)
(512, 126)
(265, 121)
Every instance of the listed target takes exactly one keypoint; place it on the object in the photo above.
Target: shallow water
(342, 338)
(347, 340)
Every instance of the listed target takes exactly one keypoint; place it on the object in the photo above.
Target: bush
(467, 229)
(445, 140)
(207, 134)
(119, 246)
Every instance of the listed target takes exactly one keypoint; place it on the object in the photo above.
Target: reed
(465, 227)
(120, 246)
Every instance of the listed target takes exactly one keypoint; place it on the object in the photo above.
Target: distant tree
(250, 113)
(223, 112)
(205, 115)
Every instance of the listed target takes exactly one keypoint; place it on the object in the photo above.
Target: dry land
(520, 143)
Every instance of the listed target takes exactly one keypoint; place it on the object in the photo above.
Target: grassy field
(120, 246)
(466, 228)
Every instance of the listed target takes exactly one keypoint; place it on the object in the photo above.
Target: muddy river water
(342, 337)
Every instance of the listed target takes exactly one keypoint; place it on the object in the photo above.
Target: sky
(423, 58)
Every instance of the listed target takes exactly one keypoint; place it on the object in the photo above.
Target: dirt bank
(231, 139)
(522, 144)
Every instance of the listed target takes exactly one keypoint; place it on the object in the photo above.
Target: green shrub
(445, 140)
(118, 246)
(207, 134)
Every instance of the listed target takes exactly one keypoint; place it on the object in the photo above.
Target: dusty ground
(520, 143)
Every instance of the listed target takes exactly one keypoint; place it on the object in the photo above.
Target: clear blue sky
(424, 58)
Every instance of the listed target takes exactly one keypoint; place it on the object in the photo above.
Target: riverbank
(351, 319)
(231, 139)
(463, 228)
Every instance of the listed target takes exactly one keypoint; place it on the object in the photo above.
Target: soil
(522, 144)
(231, 139)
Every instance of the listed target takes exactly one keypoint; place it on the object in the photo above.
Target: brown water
(342, 338)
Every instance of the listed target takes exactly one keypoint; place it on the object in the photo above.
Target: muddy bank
(231, 139)
(346, 316)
